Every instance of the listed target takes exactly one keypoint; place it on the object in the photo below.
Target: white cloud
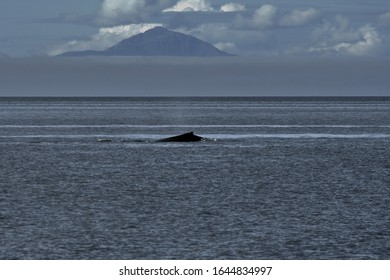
(190, 6)
(258, 31)
(116, 12)
(203, 6)
(233, 7)
(117, 9)
(210, 32)
(262, 18)
(225, 37)
(299, 17)
(370, 40)
(267, 16)
(336, 32)
(105, 38)
(227, 47)
(343, 39)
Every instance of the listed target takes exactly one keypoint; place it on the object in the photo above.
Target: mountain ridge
(157, 41)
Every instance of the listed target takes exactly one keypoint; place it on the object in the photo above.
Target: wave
(130, 137)
(193, 126)
(195, 106)
(298, 135)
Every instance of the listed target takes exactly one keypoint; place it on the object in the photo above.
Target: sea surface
(277, 178)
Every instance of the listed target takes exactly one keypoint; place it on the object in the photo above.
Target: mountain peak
(157, 41)
(157, 29)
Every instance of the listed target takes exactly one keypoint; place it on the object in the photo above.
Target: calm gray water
(284, 179)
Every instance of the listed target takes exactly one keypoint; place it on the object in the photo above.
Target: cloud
(229, 47)
(222, 35)
(106, 37)
(263, 17)
(336, 31)
(245, 30)
(232, 7)
(190, 6)
(299, 17)
(116, 12)
(369, 41)
(341, 38)
(210, 32)
(116, 9)
(267, 16)
(203, 6)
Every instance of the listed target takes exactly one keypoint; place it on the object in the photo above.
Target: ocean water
(278, 178)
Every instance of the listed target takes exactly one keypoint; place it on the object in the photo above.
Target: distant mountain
(156, 42)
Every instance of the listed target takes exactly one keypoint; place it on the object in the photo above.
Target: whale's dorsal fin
(186, 137)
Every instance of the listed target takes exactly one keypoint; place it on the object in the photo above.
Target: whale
(186, 137)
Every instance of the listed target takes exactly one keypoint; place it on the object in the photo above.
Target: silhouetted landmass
(156, 42)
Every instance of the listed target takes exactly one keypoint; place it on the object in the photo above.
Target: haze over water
(278, 178)
(189, 76)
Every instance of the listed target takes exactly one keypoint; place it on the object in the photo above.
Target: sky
(284, 48)
(278, 27)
